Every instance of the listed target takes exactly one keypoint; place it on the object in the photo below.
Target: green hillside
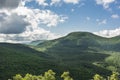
(78, 50)
(17, 58)
(83, 40)
(34, 43)
(84, 50)
(83, 54)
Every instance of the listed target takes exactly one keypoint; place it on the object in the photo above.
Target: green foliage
(78, 50)
(98, 77)
(66, 76)
(34, 43)
(114, 76)
(17, 77)
(113, 61)
(17, 58)
(49, 75)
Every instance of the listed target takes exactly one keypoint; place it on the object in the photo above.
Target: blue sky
(49, 19)
(86, 15)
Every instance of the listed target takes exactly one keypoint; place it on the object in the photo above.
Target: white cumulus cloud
(109, 33)
(55, 2)
(105, 3)
(72, 1)
(22, 24)
(42, 2)
(115, 16)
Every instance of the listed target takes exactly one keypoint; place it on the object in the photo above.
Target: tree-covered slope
(81, 50)
(34, 43)
(17, 58)
(83, 54)
(82, 40)
(84, 50)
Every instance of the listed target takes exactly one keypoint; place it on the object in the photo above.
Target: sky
(30, 20)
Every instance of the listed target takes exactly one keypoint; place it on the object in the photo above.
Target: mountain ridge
(85, 37)
(79, 48)
(82, 53)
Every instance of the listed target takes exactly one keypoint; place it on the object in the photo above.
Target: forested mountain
(83, 40)
(34, 43)
(18, 58)
(80, 49)
(83, 54)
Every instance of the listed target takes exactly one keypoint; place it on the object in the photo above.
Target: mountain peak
(77, 35)
(80, 34)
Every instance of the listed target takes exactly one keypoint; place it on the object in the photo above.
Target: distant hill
(34, 43)
(84, 40)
